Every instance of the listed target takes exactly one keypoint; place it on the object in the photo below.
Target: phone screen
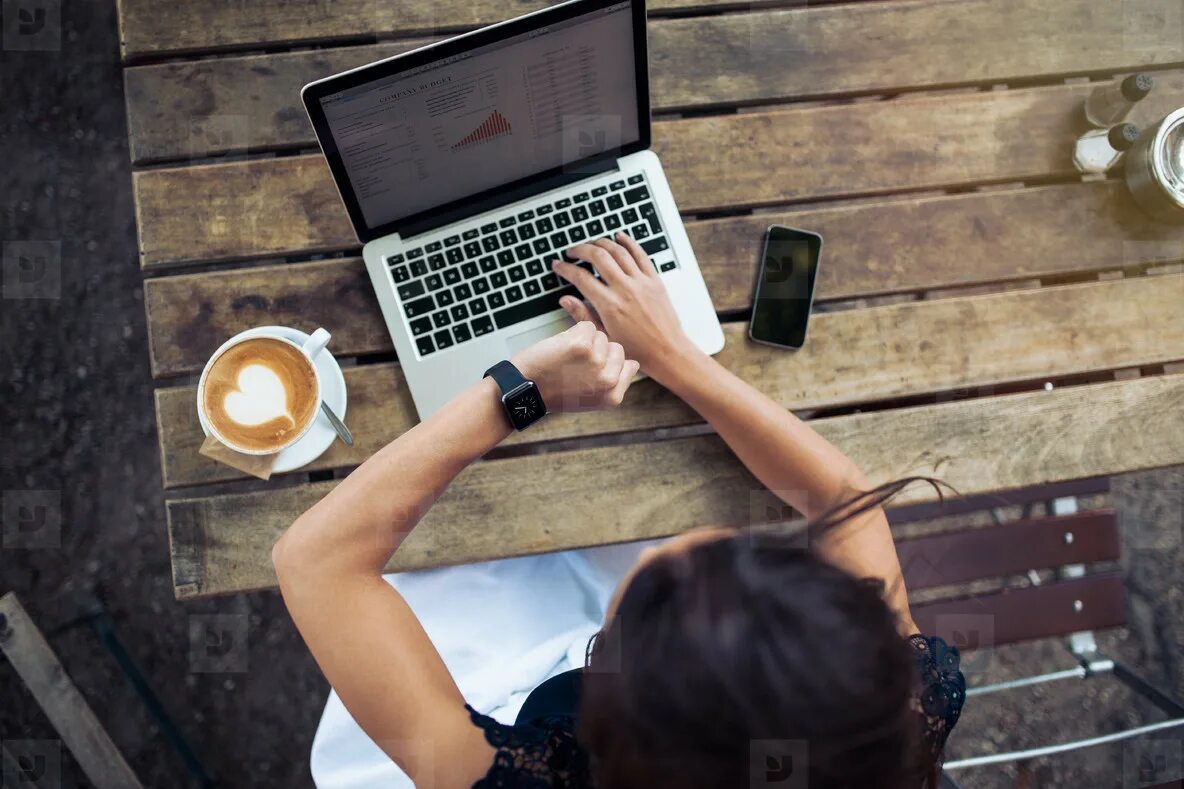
(785, 289)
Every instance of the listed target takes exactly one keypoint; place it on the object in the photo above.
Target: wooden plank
(595, 496)
(287, 205)
(854, 356)
(36, 663)
(871, 249)
(991, 620)
(182, 109)
(1009, 549)
(908, 513)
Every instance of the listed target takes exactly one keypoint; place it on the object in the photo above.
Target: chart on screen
(495, 125)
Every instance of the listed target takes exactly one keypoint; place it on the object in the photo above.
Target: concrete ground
(78, 437)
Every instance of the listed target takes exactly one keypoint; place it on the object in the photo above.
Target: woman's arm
(363, 635)
(786, 455)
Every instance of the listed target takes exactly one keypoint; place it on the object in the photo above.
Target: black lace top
(544, 754)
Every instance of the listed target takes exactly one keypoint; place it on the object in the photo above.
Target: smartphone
(785, 287)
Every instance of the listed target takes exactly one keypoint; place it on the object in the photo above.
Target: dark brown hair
(747, 643)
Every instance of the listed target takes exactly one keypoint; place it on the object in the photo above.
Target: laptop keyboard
(498, 273)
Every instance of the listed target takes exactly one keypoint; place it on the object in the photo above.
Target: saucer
(321, 435)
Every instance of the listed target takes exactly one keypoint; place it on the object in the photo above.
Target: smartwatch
(520, 397)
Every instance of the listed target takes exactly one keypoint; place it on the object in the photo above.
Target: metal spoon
(342, 431)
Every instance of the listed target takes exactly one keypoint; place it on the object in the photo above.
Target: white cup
(315, 343)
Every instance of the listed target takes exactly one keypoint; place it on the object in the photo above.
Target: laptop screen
(488, 116)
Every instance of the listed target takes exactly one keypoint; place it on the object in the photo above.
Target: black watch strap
(506, 376)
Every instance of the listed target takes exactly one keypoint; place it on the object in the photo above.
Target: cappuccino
(260, 395)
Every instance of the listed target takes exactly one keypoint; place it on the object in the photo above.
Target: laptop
(467, 166)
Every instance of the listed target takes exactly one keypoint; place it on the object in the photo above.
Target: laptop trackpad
(521, 340)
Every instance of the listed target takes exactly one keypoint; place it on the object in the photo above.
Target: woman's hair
(739, 653)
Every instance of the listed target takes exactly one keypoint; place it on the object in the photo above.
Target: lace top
(544, 754)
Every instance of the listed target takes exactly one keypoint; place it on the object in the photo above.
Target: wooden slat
(594, 496)
(36, 663)
(287, 205)
(871, 249)
(1012, 615)
(853, 356)
(1077, 488)
(1009, 549)
(179, 110)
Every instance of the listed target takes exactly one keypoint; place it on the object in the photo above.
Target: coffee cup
(259, 393)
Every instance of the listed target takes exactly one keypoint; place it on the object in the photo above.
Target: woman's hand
(578, 370)
(631, 302)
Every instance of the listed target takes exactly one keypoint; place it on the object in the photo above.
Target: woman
(726, 658)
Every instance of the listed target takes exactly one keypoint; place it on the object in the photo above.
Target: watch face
(525, 407)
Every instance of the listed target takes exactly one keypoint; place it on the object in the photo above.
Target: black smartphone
(785, 287)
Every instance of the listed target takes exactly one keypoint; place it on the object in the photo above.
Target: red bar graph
(494, 126)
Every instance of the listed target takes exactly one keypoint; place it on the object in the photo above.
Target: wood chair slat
(207, 107)
(991, 620)
(289, 205)
(222, 544)
(871, 249)
(1009, 549)
(854, 356)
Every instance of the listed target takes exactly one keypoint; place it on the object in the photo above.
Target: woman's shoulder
(542, 753)
(942, 687)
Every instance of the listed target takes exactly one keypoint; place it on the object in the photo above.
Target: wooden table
(929, 141)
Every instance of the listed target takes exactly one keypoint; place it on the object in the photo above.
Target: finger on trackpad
(529, 337)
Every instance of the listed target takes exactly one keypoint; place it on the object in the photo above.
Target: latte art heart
(260, 397)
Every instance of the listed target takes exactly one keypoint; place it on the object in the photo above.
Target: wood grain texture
(853, 356)
(251, 103)
(44, 675)
(594, 496)
(289, 205)
(870, 249)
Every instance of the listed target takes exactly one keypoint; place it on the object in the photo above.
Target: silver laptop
(469, 165)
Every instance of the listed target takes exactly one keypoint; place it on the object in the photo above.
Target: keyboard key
(496, 300)
(669, 265)
(544, 209)
(529, 309)
(459, 312)
(401, 273)
(562, 219)
(489, 244)
(595, 228)
(505, 257)
(522, 217)
(629, 215)
(617, 185)
(513, 294)
(413, 309)
(414, 253)
(441, 319)
(508, 238)
(582, 197)
(532, 287)
(636, 179)
(468, 270)
(541, 247)
(394, 260)
(470, 234)
(455, 255)
(544, 225)
(614, 202)
(435, 246)
(596, 207)
(577, 234)
(481, 285)
(411, 290)
(419, 268)
(443, 339)
(564, 203)
(507, 221)
(477, 306)
(559, 240)
(487, 264)
(535, 267)
(420, 325)
(650, 214)
(424, 345)
(473, 249)
(639, 232)
(636, 195)
(461, 333)
(498, 279)
(491, 227)
(549, 281)
(462, 292)
(444, 298)
(522, 251)
(517, 274)
(436, 262)
(482, 325)
(451, 241)
(612, 221)
(654, 245)
(526, 232)
(434, 282)
(452, 276)
(579, 213)
(600, 191)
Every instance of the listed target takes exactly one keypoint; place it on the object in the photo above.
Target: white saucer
(321, 435)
